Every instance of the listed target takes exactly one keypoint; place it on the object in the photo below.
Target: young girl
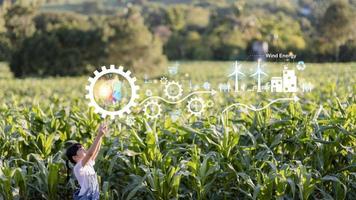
(84, 167)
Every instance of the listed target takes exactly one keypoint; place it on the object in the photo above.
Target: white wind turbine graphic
(258, 73)
(236, 74)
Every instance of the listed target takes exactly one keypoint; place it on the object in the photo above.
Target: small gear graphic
(209, 104)
(173, 84)
(130, 120)
(163, 80)
(157, 113)
(191, 105)
(112, 70)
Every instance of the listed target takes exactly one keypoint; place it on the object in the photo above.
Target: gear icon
(163, 80)
(125, 75)
(169, 86)
(209, 104)
(149, 105)
(192, 107)
(130, 120)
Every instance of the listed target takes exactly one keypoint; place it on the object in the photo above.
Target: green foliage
(280, 38)
(187, 45)
(337, 27)
(67, 45)
(131, 44)
(336, 21)
(5, 48)
(47, 21)
(197, 17)
(139, 34)
(302, 150)
(176, 17)
(19, 24)
(60, 52)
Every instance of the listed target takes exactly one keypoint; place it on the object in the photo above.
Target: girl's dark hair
(71, 151)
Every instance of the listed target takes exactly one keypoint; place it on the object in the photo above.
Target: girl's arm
(96, 150)
(92, 150)
(98, 147)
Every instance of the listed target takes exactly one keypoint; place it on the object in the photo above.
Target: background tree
(176, 17)
(139, 35)
(5, 46)
(72, 44)
(336, 26)
(48, 21)
(19, 24)
(63, 44)
(63, 52)
(282, 33)
(197, 17)
(130, 43)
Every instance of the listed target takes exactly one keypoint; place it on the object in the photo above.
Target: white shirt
(86, 177)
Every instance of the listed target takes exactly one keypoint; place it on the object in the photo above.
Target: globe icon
(301, 65)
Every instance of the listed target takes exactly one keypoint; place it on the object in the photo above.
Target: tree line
(143, 35)
(61, 44)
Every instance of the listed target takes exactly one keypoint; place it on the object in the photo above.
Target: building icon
(286, 83)
(276, 84)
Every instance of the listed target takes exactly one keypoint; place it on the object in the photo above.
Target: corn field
(290, 150)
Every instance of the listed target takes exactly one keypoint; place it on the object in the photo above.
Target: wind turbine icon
(258, 73)
(236, 74)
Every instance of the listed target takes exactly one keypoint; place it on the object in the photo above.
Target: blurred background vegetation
(72, 37)
(292, 150)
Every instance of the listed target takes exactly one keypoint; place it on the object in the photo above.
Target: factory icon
(286, 83)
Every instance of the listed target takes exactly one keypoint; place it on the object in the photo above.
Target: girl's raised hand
(103, 128)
